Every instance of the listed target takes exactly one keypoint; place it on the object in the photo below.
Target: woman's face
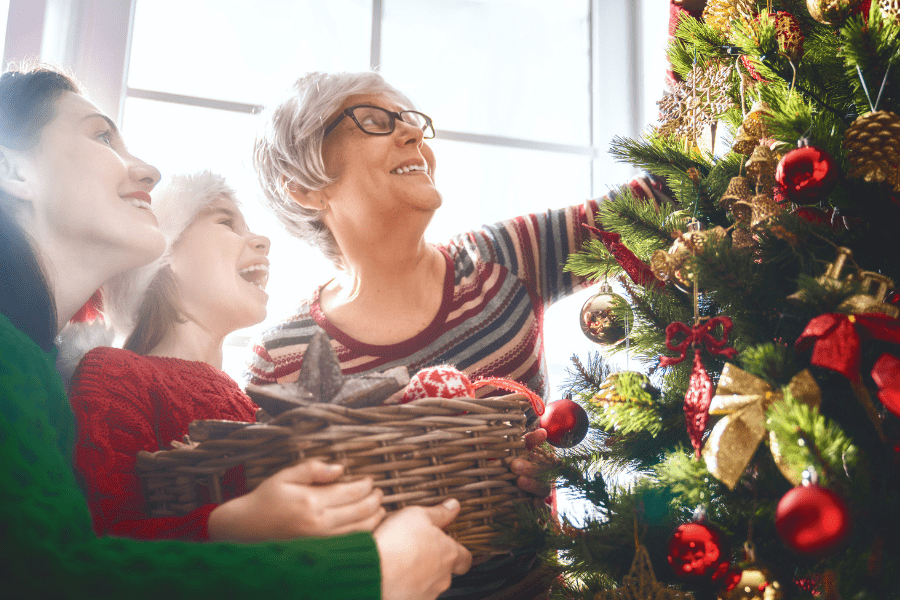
(368, 186)
(221, 269)
(87, 192)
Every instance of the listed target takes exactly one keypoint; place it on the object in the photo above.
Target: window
(525, 97)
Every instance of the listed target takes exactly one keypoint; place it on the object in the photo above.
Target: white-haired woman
(209, 282)
(345, 165)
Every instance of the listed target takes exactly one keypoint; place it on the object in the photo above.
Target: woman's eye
(228, 223)
(105, 137)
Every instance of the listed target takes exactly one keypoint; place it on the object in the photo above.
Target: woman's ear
(310, 199)
(11, 181)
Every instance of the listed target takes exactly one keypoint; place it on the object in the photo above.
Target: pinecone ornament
(719, 14)
(831, 12)
(873, 147)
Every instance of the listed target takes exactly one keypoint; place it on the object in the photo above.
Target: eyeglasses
(375, 120)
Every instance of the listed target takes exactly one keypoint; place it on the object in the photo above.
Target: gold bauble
(675, 264)
(873, 147)
(756, 583)
(599, 321)
(831, 12)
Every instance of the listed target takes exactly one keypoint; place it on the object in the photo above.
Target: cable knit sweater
(47, 548)
(123, 403)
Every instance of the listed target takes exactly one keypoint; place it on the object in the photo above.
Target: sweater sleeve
(47, 546)
(114, 423)
(535, 247)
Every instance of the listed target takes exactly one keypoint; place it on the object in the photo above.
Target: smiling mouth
(258, 275)
(137, 202)
(408, 168)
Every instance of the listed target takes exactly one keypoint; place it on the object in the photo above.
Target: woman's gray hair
(288, 149)
(176, 203)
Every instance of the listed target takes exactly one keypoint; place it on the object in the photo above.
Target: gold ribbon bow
(743, 399)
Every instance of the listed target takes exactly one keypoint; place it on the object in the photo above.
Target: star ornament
(641, 584)
(321, 380)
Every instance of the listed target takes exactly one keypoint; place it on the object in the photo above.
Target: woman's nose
(260, 243)
(144, 173)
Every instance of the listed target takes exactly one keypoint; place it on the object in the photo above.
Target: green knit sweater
(47, 546)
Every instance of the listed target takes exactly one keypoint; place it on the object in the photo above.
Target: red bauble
(566, 423)
(813, 215)
(438, 382)
(807, 175)
(698, 551)
(812, 520)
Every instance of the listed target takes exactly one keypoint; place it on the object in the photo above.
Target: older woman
(74, 213)
(345, 165)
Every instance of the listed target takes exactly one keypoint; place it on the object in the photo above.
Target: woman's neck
(191, 341)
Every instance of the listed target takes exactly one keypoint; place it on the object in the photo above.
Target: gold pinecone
(719, 14)
(873, 147)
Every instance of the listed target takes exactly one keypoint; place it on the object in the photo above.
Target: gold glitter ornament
(693, 105)
(641, 584)
(890, 9)
(675, 264)
(719, 14)
(756, 583)
(873, 147)
(831, 12)
(751, 130)
(761, 168)
(762, 208)
(738, 189)
(743, 398)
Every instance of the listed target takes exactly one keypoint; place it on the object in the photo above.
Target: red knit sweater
(123, 403)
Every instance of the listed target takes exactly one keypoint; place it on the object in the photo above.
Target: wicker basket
(419, 453)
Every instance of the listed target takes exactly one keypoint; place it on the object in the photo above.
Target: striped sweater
(499, 281)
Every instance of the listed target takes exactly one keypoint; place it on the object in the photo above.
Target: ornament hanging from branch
(831, 12)
(719, 14)
(696, 102)
(675, 265)
(600, 321)
(807, 174)
(699, 394)
(812, 520)
(699, 552)
(873, 147)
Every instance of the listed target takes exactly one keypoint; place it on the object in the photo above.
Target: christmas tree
(760, 432)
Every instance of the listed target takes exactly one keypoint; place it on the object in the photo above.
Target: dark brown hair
(28, 96)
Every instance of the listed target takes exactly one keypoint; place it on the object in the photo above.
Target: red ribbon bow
(837, 339)
(697, 335)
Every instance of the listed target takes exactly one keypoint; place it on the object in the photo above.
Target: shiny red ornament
(807, 175)
(698, 551)
(566, 423)
(812, 520)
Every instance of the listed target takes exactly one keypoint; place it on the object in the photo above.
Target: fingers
(363, 515)
(529, 477)
(463, 559)
(535, 438)
(311, 471)
(340, 494)
(443, 514)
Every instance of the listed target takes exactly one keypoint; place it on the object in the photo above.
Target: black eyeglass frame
(394, 115)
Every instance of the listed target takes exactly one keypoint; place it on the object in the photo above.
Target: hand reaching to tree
(299, 501)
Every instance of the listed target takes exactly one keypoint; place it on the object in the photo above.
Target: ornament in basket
(419, 452)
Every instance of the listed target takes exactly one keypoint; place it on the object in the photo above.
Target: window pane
(184, 139)
(241, 51)
(515, 68)
(485, 184)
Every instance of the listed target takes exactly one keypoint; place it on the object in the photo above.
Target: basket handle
(512, 386)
